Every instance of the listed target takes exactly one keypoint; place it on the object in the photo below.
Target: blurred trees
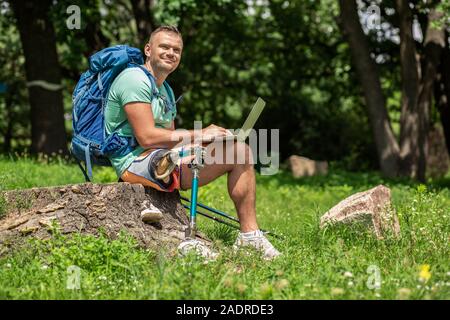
(298, 55)
(14, 109)
(419, 63)
(442, 90)
(43, 75)
(369, 77)
(289, 53)
(144, 19)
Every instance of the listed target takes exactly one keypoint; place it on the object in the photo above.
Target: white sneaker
(259, 241)
(151, 214)
(198, 247)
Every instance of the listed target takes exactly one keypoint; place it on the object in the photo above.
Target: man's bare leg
(241, 182)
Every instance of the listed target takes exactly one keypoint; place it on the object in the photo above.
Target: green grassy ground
(317, 264)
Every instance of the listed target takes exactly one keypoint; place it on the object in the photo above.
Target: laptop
(248, 124)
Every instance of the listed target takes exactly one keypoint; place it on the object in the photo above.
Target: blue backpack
(90, 143)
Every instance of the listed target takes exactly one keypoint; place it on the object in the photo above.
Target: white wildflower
(348, 274)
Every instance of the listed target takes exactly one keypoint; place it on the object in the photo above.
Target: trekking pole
(223, 214)
(213, 218)
(220, 213)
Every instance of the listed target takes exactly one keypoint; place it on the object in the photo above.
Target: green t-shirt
(133, 85)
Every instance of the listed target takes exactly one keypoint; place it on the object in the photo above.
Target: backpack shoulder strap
(170, 92)
(150, 77)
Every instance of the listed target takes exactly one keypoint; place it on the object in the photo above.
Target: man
(150, 118)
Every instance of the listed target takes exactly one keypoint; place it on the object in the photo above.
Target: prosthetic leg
(163, 169)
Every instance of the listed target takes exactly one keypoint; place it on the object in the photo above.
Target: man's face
(164, 51)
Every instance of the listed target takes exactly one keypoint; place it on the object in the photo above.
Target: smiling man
(142, 104)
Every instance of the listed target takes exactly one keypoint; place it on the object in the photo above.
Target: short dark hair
(165, 28)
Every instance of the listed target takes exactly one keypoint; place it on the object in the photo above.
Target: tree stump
(86, 208)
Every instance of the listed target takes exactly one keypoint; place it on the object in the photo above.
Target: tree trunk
(144, 19)
(43, 74)
(409, 119)
(442, 92)
(92, 33)
(367, 72)
(434, 45)
(8, 135)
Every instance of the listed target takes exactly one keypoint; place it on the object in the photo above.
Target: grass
(317, 264)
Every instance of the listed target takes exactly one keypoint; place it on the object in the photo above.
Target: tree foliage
(291, 53)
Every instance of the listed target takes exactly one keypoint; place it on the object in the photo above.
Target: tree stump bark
(86, 208)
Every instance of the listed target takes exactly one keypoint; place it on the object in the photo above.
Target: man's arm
(140, 117)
